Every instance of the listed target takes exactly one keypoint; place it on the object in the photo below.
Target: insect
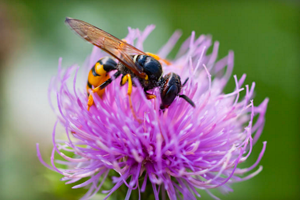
(133, 63)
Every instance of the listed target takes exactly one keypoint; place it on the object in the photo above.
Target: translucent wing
(109, 43)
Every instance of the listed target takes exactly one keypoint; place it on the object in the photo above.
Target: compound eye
(168, 95)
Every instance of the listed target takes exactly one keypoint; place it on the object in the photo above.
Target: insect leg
(127, 78)
(106, 83)
(149, 96)
(158, 58)
(100, 87)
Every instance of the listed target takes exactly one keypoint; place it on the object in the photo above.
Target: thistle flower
(178, 152)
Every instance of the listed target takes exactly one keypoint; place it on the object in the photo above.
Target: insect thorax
(147, 85)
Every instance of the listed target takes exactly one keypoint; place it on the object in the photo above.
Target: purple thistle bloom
(178, 151)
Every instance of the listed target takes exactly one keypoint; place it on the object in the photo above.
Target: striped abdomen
(99, 74)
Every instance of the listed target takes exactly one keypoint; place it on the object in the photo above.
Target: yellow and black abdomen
(99, 74)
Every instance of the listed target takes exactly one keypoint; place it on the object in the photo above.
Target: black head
(149, 65)
(170, 88)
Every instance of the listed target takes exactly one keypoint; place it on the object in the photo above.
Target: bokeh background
(265, 36)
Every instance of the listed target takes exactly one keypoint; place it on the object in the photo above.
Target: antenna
(188, 100)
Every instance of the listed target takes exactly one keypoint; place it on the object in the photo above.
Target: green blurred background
(263, 34)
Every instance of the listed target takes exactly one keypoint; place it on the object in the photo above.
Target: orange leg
(91, 100)
(100, 89)
(150, 96)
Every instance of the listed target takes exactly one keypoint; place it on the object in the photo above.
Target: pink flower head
(179, 150)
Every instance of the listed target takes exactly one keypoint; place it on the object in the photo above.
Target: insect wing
(107, 42)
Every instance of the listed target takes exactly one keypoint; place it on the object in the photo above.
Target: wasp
(133, 63)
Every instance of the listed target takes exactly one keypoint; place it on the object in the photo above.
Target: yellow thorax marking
(158, 58)
(153, 55)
